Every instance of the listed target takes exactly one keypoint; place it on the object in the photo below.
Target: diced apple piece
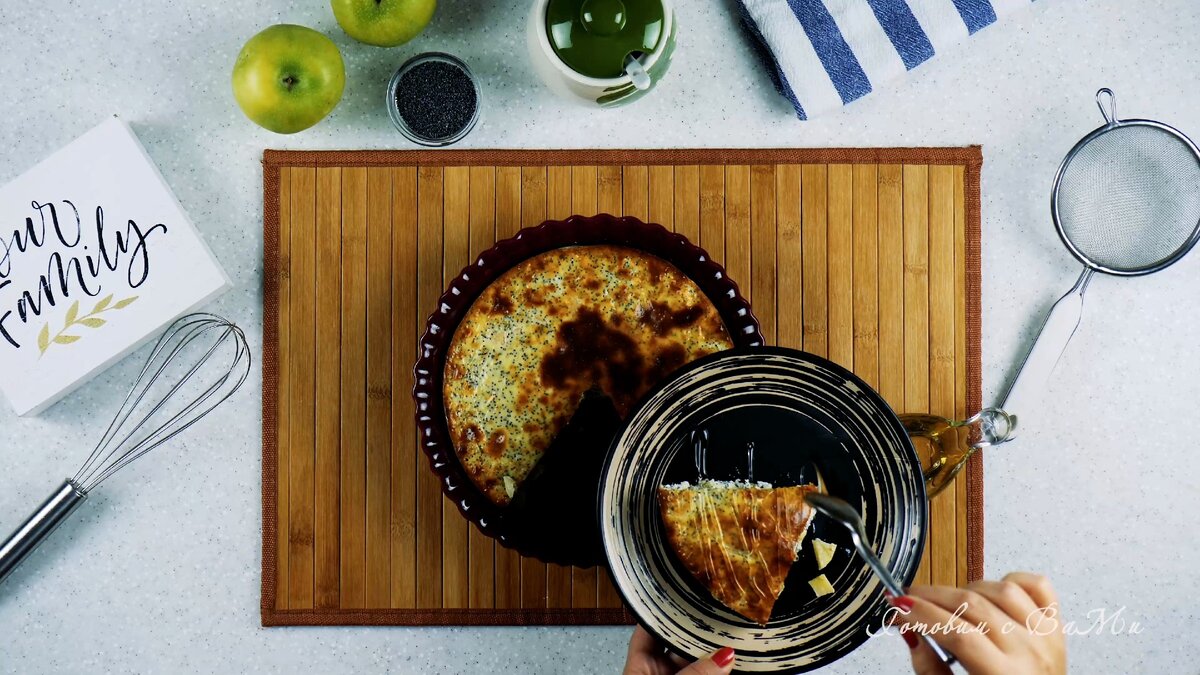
(821, 585)
(824, 552)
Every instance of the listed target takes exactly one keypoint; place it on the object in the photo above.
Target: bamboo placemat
(867, 256)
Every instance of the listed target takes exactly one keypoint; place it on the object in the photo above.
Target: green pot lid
(596, 37)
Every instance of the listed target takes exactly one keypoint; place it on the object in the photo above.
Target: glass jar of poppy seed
(433, 99)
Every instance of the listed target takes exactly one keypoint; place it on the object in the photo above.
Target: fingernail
(909, 638)
(723, 657)
(903, 603)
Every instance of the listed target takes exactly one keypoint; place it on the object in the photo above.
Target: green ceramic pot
(601, 52)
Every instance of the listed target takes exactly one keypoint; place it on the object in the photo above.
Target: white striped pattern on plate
(847, 432)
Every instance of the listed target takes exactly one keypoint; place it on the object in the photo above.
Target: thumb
(924, 661)
(719, 662)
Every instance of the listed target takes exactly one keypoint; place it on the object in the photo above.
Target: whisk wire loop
(124, 441)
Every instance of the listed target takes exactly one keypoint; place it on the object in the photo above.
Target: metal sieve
(1126, 202)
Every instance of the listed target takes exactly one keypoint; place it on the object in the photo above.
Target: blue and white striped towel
(827, 53)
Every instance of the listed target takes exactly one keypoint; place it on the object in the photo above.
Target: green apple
(287, 78)
(383, 23)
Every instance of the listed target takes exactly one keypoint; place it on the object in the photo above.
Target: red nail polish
(903, 603)
(909, 638)
(723, 657)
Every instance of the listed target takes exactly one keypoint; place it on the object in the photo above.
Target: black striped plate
(803, 414)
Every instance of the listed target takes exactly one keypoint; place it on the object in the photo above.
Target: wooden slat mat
(867, 256)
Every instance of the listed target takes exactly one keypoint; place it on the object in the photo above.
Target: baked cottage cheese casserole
(738, 539)
(555, 326)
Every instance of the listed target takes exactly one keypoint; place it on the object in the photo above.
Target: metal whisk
(197, 363)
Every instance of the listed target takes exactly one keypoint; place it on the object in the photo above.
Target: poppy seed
(436, 100)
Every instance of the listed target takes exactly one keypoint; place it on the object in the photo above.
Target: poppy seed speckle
(436, 100)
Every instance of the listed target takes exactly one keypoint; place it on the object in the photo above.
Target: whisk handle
(38, 526)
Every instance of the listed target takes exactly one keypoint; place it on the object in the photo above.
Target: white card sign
(96, 257)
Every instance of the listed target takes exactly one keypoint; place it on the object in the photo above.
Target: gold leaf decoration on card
(72, 314)
(90, 320)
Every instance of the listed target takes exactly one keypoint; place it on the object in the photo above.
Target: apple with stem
(383, 23)
(287, 78)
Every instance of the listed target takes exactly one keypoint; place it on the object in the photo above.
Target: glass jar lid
(596, 38)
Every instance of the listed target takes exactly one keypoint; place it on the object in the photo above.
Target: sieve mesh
(1130, 197)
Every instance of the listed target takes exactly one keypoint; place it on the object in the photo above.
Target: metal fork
(845, 514)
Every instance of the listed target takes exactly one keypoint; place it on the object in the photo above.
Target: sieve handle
(1027, 389)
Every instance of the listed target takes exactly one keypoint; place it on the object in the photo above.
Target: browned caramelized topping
(591, 351)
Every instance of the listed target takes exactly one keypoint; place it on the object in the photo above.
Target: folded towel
(827, 53)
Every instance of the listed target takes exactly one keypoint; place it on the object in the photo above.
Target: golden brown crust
(738, 540)
(550, 329)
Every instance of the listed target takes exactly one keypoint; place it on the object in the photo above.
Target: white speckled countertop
(160, 573)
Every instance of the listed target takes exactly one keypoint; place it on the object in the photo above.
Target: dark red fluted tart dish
(539, 349)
